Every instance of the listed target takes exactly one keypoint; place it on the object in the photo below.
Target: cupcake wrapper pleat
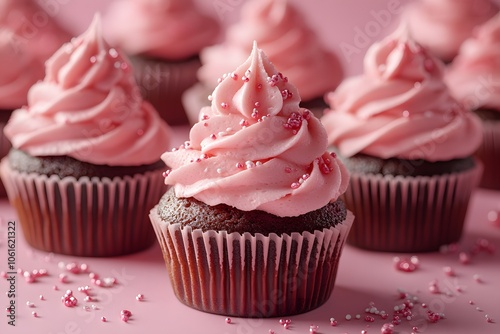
(251, 276)
(84, 217)
(409, 214)
(4, 150)
(489, 154)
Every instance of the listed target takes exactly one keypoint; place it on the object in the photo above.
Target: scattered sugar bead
(41, 297)
(477, 278)
(348, 317)
(234, 76)
(405, 264)
(406, 114)
(449, 271)
(295, 185)
(139, 297)
(34, 314)
(86, 308)
(464, 258)
(88, 299)
(364, 331)
(369, 318)
(29, 277)
(286, 326)
(73, 268)
(358, 316)
(414, 328)
(282, 322)
(228, 320)
(3, 274)
(63, 278)
(94, 307)
(126, 313)
(124, 318)
(387, 329)
(313, 329)
(30, 304)
(224, 105)
(471, 302)
(103, 319)
(479, 309)
(55, 288)
(494, 217)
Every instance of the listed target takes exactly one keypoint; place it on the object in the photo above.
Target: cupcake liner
(409, 214)
(4, 150)
(84, 217)
(489, 154)
(162, 84)
(248, 275)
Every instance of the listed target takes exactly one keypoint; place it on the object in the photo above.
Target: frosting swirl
(282, 33)
(88, 107)
(256, 149)
(167, 29)
(19, 72)
(474, 77)
(441, 26)
(400, 108)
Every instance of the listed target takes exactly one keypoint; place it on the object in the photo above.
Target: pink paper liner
(4, 150)
(409, 214)
(489, 154)
(251, 276)
(84, 217)
(162, 84)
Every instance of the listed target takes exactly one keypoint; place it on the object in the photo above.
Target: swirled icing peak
(400, 107)
(283, 34)
(441, 26)
(18, 72)
(256, 149)
(474, 77)
(33, 25)
(166, 29)
(88, 107)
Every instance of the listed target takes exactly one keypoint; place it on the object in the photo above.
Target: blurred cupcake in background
(441, 26)
(409, 147)
(292, 46)
(163, 39)
(474, 79)
(84, 168)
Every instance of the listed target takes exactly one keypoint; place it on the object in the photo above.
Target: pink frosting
(18, 72)
(34, 26)
(167, 29)
(400, 108)
(89, 107)
(291, 45)
(256, 149)
(474, 77)
(441, 26)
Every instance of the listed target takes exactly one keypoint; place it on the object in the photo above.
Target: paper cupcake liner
(489, 154)
(251, 276)
(409, 214)
(4, 150)
(162, 84)
(84, 217)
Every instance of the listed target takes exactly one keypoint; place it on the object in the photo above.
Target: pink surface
(363, 277)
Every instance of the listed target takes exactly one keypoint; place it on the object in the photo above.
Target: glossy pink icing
(167, 29)
(281, 31)
(400, 107)
(441, 26)
(89, 107)
(474, 77)
(34, 25)
(18, 72)
(256, 149)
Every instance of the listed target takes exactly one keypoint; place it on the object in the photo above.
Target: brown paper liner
(84, 217)
(489, 154)
(162, 84)
(409, 214)
(251, 276)
(4, 143)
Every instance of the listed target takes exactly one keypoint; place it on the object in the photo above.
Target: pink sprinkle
(213, 136)
(295, 185)
(30, 304)
(126, 313)
(494, 217)
(288, 170)
(63, 278)
(369, 318)
(405, 264)
(34, 314)
(234, 76)
(124, 318)
(42, 297)
(387, 329)
(55, 288)
(103, 319)
(464, 258)
(286, 326)
(271, 331)
(364, 332)
(313, 329)
(139, 297)
(477, 278)
(224, 105)
(3, 274)
(88, 299)
(449, 271)
(29, 277)
(471, 302)
(228, 320)
(73, 268)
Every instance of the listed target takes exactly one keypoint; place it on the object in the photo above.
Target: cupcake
(282, 32)
(441, 26)
(474, 79)
(16, 78)
(85, 166)
(252, 225)
(163, 40)
(408, 145)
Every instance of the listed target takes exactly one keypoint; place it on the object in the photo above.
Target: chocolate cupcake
(163, 40)
(85, 165)
(474, 80)
(252, 226)
(408, 145)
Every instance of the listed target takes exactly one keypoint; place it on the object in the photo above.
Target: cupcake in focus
(474, 79)
(408, 145)
(441, 26)
(84, 169)
(19, 72)
(252, 225)
(163, 39)
(284, 35)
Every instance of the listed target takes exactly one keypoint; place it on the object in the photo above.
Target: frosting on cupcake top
(18, 72)
(256, 149)
(282, 33)
(400, 107)
(166, 29)
(34, 26)
(442, 25)
(88, 107)
(474, 77)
